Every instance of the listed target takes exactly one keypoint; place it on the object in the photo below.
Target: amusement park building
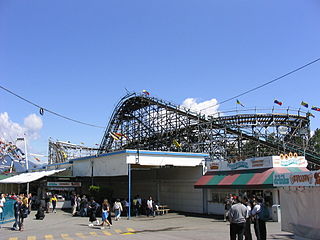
(185, 182)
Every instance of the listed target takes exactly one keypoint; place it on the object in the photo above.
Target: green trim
(269, 180)
(2, 176)
(294, 169)
(216, 179)
(243, 179)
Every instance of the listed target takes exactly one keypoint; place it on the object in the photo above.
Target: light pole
(26, 157)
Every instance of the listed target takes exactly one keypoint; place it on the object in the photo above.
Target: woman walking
(24, 211)
(105, 212)
(117, 207)
(53, 201)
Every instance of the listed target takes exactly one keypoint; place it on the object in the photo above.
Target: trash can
(276, 213)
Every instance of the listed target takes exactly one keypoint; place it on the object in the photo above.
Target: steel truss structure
(143, 122)
(60, 152)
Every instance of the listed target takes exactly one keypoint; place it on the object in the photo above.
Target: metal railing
(7, 214)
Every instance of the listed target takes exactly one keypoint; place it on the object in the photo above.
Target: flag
(277, 102)
(146, 92)
(115, 137)
(315, 108)
(176, 143)
(238, 102)
(304, 104)
(309, 114)
(120, 135)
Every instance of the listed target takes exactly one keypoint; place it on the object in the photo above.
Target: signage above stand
(284, 160)
(64, 184)
(302, 179)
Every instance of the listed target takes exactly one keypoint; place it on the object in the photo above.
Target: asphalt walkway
(62, 226)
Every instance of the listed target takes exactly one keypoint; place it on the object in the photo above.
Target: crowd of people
(84, 207)
(242, 212)
(21, 208)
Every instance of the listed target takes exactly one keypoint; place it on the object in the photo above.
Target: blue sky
(77, 57)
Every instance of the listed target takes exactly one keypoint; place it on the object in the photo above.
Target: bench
(162, 211)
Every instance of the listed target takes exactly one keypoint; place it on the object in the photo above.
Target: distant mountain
(18, 166)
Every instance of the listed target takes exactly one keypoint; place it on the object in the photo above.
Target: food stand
(253, 176)
(299, 196)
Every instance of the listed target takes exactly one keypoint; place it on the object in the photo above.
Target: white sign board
(289, 160)
(284, 160)
(299, 179)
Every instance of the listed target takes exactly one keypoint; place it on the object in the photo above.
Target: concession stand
(299, 196)
(253, 176)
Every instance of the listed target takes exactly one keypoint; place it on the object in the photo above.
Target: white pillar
(275, 196)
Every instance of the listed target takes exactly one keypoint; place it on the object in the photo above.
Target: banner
(301, 179)
(64, 184)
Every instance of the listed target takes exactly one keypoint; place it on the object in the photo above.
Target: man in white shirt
(247, 232)
(259, 224)
(150, 207)
(2, 201)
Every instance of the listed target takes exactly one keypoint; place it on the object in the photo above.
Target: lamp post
(26, 157)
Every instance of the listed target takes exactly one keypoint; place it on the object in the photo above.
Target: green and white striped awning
(262, 178)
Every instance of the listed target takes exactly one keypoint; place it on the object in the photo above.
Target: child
(105, 213)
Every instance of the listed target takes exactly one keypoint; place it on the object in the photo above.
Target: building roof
(262, 178)
(29, 176)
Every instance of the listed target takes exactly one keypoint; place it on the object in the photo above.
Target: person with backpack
(92, 211)
(23, 212)
(260, 214)
(117, 208)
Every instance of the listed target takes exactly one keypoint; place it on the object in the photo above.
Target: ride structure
(140, 121)
(60, 152)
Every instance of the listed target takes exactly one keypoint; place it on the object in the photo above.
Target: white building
(299, 196)
(168, 177)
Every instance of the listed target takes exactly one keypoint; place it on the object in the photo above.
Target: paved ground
(170, 226)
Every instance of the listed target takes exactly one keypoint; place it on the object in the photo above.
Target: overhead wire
(50, 111)
(264, 84)
(224, 101)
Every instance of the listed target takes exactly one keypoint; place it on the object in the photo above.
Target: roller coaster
(140, 121)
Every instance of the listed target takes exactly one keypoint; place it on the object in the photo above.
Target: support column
(129, 190)
(275, 196)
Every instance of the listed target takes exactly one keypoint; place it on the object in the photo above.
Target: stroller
(40, 210)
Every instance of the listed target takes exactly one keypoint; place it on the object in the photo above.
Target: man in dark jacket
(92, 211)
(16, 210)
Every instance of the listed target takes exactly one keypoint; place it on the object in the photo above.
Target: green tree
(315, 141)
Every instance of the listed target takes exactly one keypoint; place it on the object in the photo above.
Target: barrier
(7, 214)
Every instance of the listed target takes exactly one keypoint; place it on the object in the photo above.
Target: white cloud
(312, 132)
(209, 107)
(10, 130)
(33, 124)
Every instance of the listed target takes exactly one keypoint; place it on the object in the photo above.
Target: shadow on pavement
(158, 230)
(7, 228)
(212, 216)
(281, 236)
